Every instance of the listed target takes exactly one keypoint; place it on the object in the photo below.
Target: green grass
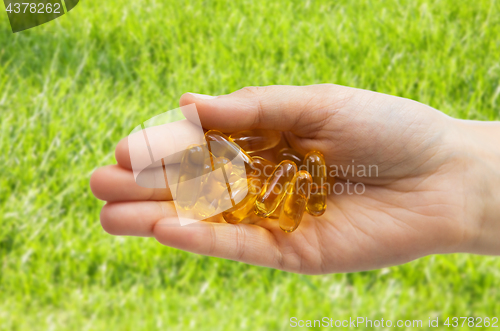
(70, 89)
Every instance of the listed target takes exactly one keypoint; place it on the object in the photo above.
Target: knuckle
(212, 249)
(280, 260)
(240, 243)
(253, 90)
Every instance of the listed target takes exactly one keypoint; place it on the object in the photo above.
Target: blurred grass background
(70, 89)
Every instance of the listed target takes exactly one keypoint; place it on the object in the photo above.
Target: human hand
(420, 202)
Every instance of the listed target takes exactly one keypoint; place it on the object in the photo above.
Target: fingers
(300, 109)
(135, 218)
(113, 183)
(122, 154)
(247, 243)
(271, 107)
(241, 242)
(150, 145)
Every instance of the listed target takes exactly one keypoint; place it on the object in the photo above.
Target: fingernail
(202, 96)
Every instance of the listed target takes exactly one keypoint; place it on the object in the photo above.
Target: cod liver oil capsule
(260, 169)
(208, 201)
(276, 214)
(295, 201)
(274, 188)
(316, 166)
(214, 193)
(194, 164)
(221, 145)
(256, 140)
(291, 155)
(245, 208)
(216, 180)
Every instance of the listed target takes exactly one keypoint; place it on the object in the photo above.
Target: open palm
(411, 206)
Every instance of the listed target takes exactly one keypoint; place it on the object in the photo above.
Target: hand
(424, 199)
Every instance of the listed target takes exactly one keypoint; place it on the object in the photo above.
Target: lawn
(70, 89)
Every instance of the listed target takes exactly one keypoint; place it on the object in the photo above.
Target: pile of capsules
(248, 188)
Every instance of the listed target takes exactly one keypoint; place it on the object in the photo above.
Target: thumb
(300, 109)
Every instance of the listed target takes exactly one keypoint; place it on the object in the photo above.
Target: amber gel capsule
(289, 154)
(316, 166)
(194, 164)
(256, 140)
(213, 188)
(265, 169)
(277, 212)
(260, 170)
(245, 208)
(221, 145)
(274, 189)
(295, 201)
(257, 174)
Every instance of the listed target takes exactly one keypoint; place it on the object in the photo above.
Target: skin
(437, 189)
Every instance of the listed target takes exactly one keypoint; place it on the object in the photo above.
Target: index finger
(149, 145)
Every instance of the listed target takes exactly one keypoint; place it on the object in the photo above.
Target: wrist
(481, 159)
